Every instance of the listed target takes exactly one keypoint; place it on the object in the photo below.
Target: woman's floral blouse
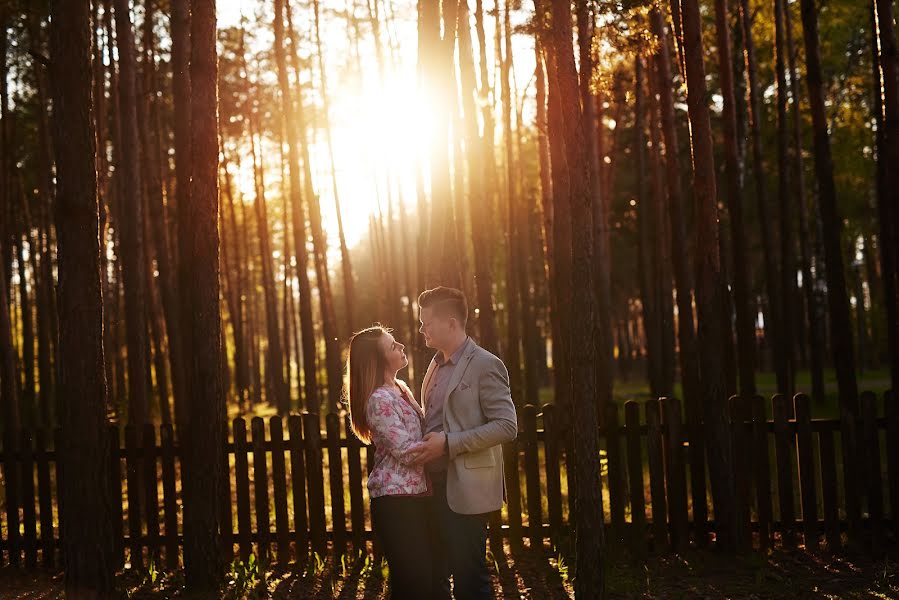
(396, 422)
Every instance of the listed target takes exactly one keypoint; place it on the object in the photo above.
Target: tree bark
(479, 211)
(203, 330)
(785, 202)
(709, 285)
(889, 200)
(85, 518)
(589, 537)
(742, 294)
(812, 308)
(772, 276)
(298, 215)
(132, 216)
(837, 298)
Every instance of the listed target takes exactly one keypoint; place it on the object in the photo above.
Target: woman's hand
(432, 446)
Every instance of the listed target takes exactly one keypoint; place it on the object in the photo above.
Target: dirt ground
(695, 575)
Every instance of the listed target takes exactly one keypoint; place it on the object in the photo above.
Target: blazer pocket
(482, 458)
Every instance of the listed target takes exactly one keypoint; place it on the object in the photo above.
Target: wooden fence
(288, 495)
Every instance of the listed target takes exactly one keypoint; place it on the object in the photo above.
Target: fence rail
(293, 488)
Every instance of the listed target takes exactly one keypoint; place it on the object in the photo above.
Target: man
(469, 414)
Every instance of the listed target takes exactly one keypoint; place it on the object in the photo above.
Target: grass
(526, 574)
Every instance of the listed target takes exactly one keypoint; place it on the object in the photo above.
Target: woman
(384, 412)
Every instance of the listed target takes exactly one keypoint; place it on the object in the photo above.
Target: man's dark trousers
(459, 549)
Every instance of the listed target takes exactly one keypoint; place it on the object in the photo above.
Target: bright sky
(377, 122)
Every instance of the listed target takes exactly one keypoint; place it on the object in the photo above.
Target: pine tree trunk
(601, 275)
(181, 85)
(709, 285)
(815, 335)
(837, 298)
(346, 265)
(200, 291)
(589, 537)
(772, 277)
(132, 216)
(479, 210)
(889, 200)
(785, 202)
(651, 325)
(87, 535)
(683, 277)
(276, 390)
(298, 214)
(157, 214)
(742, 293)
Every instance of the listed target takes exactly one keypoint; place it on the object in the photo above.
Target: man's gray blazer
(478, 417)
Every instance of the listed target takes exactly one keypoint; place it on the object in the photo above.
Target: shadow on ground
(782, 574)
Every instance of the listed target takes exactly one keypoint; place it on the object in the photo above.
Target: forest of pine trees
(640, 198)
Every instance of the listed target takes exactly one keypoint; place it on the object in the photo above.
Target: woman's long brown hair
(364, 372)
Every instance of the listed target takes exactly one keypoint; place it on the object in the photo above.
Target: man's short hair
(446, 300)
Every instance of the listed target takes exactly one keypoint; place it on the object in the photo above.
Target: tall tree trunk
(298, 213)
(660, 243)
(888, 154)
(560, 266)
(772, 277)
(511, 196)
(837, 298)
(479, 211)
(438, 78)
(132, 216)
(181, 86)
(709, 286)
(742, 294)
(85, 519)
(589, 537)
(200, 291)
(785, 202)
(346, 266)
(815, 335)
(602, 271)
(157, 213)
(683, 277)
(276, 390)
(651, 325)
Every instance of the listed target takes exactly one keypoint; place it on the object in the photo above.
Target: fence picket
(335, 476)
(761, 471)
(313, 449)
(635, 477)
(298, 485)
(532, 477)
(260, 489)
(616, 475)
(553, 472)
(29, 516)
(45, 499)
(871, 443)
(279, 484)
(784, 450)
(656, 477)
(354, 468)
(242, 483)
(170, 509)
(132, 473)
(806, 460)
(829, 489)
(676, 473)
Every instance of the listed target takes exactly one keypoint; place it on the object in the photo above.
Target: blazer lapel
(425, 383)
(459, 371)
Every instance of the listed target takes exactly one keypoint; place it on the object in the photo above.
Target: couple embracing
(438, 464)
